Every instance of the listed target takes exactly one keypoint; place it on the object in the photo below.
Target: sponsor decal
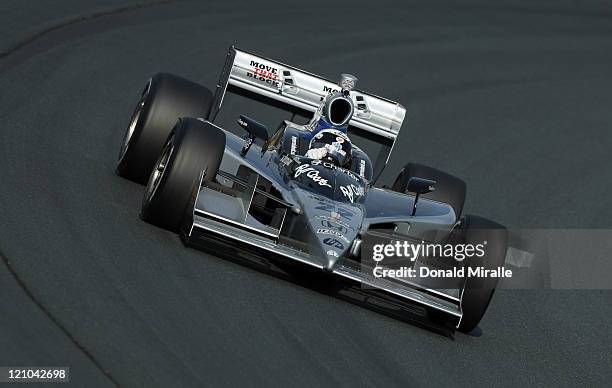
(333, 211)
(333, 233)
(362, 168)
(331, 166)
(285, 160)
(334, 225)
(351, 174)
(332, 242)
(247, 144)
(311, 173)
(327, 89)
(318, 162)
(331, 252)
(264, 73)
(293, 145)
(352, 191)
(333, 218)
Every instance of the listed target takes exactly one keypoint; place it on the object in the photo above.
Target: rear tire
(192, 147)
(479, 290)
(449, 188)
(165, 99)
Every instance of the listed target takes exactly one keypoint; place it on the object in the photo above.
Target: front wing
(204, 226)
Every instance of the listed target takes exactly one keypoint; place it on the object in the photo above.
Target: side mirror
(419, 186)
(255, 129)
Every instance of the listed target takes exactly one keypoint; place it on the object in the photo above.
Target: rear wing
(378, 117)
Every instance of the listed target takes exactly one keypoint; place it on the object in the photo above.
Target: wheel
(164, 100)
(479, 290)
(192, 147)
(449, 188)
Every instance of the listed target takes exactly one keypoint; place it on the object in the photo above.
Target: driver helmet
(337, 144)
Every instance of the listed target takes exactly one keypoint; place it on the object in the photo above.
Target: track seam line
(75, 20)
(55, 321)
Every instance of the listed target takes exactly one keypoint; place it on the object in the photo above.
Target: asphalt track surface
(514, 97)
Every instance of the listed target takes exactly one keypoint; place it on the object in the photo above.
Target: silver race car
(304, 195)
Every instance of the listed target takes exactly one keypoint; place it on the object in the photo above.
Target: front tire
(164, 100)
(478, 291)
(192, 147)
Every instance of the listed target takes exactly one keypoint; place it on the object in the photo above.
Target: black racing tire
(193, 146)
(478, 291)
(449, 188)
(164, 100)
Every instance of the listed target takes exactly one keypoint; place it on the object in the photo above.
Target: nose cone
(334, 227)
(333, 244)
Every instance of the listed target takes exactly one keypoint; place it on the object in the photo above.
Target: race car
(306, 194)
